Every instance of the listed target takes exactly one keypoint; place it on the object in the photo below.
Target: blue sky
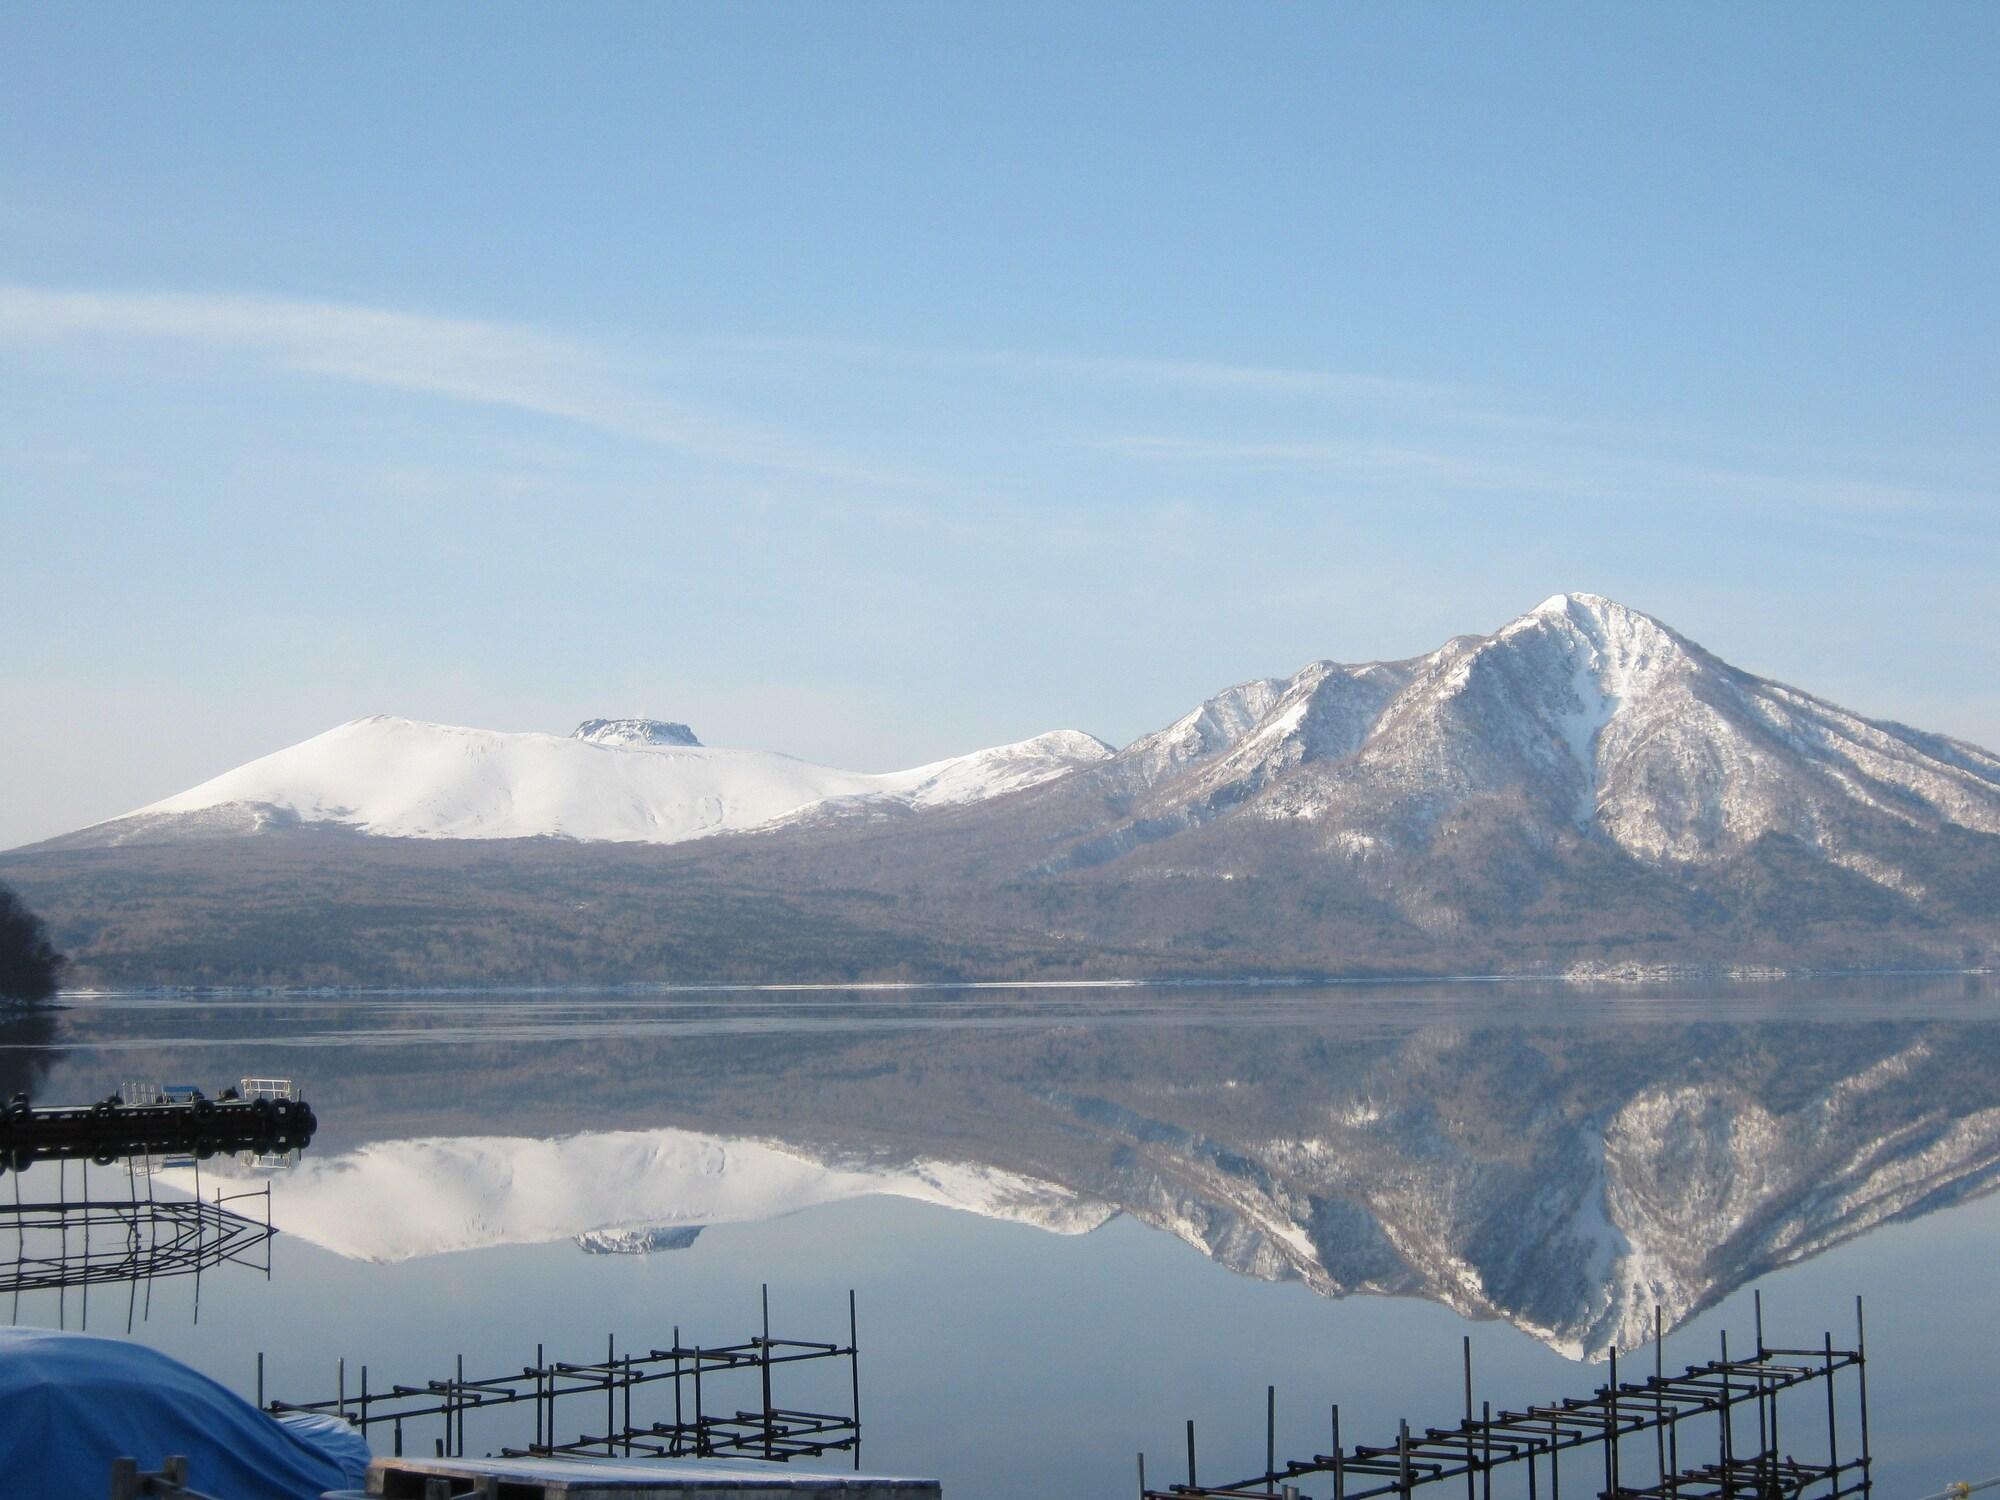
(876, 381)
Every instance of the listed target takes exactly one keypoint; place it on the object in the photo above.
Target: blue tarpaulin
(70, 1403)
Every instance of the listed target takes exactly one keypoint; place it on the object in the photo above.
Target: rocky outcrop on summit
(624, 732)
(638, 1241)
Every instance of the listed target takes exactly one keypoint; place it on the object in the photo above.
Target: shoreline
(1582, 975)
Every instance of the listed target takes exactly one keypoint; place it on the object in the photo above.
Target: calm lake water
(1075, 1218)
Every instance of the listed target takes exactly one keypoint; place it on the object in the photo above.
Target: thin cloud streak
(1199, 374)
(1184, 374)
(1578, 475)
(519, 367)
(489, 363)
(1383, 461)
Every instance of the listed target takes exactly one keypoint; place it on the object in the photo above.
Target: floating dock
(261, 1115)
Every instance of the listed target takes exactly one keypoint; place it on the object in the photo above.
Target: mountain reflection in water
(1566, 1169)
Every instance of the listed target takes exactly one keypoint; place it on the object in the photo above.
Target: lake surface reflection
(1012, 1181)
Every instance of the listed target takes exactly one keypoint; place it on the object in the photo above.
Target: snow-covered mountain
(1579, 737)
(1581, 717)
(1585, 786)
(613, 780)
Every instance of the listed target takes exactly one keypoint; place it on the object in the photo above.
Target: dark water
(1074, 1218)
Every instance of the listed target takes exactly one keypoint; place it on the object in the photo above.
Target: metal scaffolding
(659, 1402)
(1612, 1425)
(76, 1242)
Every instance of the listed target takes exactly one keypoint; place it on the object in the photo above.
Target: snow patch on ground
(1881, 872)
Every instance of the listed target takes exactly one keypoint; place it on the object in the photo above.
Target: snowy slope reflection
(1564, 1176)
(623, 1191)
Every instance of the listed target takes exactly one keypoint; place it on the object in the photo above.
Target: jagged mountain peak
(1583, 718)
(1618, 643)
(1204, 731)
(627, 733)
(1575, 604)
(1556, 693)
(1608, 653)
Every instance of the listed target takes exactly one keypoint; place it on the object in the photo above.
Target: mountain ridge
(1584, 787)
(1584, 715)
(610, 780)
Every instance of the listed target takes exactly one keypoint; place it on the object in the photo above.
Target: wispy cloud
(1169, 374)
(492, 363)
(1570, 473)
(1208, 375)
(1353, 459)
(1429, 436)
